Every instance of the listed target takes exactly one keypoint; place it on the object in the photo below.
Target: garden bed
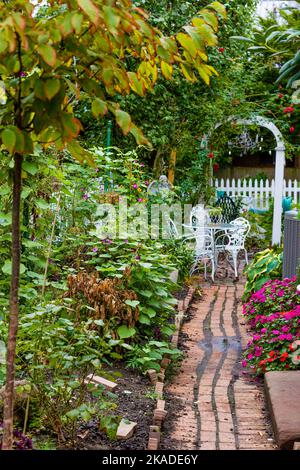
(135, 402)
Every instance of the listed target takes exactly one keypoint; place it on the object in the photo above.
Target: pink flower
(140, 199)
(244, 363)
(135, 186)
(95, 249)
(250, 356)
(263, 330)
(276, 332)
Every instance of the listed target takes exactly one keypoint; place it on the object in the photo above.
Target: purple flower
(85, 196)
(135, 186)
(138, 257)
(95, 249)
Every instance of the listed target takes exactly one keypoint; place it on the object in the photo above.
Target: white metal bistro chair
(203, 251)
(233, 241)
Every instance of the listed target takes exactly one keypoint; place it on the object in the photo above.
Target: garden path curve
(220, 407)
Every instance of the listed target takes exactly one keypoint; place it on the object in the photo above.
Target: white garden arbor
(279, 166)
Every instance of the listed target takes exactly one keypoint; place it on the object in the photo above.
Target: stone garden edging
(158, 379)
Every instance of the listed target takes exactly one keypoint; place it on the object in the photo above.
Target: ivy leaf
(125, 332)
(90, 9)
(124, 121)
(48, 54)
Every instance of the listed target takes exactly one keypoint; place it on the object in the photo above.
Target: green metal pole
(108, 143)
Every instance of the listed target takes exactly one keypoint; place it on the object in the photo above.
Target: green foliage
(149, 356)
(266, 265)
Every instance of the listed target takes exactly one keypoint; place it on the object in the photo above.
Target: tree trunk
(14, 308)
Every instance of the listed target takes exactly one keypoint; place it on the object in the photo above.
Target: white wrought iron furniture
(233, 241)
(204, 250)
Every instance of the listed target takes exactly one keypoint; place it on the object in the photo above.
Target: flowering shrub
(21, 442)
(273, 313)
(274, 296)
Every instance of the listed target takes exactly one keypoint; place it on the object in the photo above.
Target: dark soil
(174, 405)
(133, 404)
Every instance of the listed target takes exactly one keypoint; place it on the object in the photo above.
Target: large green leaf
(7, 267)
(9, 139)
(125, 332)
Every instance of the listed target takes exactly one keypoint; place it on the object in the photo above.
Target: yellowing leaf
(187, 43)
(210, 18)
(166, 69)
(51, 87)
(90, 9)
(124, 121)
(9, 139)
(99, 107)
(79, 153)
(48, 54)
(135, 84)
(188, 73)
(219, 8)
(111, 18)
(76, 22)
(139, 136)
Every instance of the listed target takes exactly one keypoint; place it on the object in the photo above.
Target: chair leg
(246, 256)
(213, 269)
(234, 257)
(205, 271)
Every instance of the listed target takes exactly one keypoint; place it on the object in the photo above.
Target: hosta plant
(266, 265)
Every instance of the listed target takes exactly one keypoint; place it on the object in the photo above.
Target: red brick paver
(222, 408)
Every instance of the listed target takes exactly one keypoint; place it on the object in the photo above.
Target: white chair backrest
(240, 232)
(199, 216)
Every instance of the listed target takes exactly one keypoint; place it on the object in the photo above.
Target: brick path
(222, 408)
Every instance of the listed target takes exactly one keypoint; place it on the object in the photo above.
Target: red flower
(280, 95)
(291, 347)
(263, 362)
(288, 110)
(221, 49)
(272, 353)
(292, 129)
(284, 356)
(211, 155)
(216, 167)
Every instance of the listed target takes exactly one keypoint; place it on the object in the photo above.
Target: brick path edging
(160, 413)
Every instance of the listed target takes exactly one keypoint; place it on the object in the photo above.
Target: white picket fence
(258, 193)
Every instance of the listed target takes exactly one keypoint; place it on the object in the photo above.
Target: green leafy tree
(51, 58)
